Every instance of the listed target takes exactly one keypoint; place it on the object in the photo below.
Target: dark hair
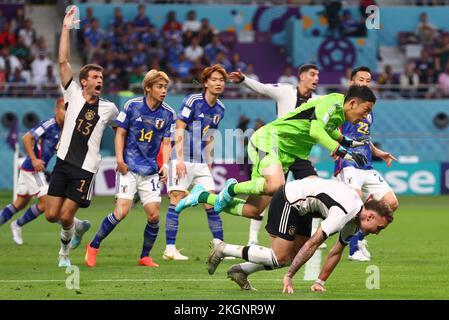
(306, 67)
(84, 72)
(381, 207)
(358, 69)
(362, 93)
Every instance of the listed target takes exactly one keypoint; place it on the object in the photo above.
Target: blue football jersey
(202, 120)
(145, 131)
(358, 131)
(46, 136)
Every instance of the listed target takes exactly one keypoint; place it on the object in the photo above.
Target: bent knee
(51, 217)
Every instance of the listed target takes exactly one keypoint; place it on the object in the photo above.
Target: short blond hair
(152, 77)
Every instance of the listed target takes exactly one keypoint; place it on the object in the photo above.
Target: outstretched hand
(69, 19)
(236, 76)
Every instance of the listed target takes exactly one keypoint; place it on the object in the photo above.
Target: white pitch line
(138, 280)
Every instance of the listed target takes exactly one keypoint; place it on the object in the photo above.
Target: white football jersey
(337, 204)
(285, 95)
(83, 129)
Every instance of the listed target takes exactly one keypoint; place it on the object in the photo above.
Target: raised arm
(270, 90)
(65, 70)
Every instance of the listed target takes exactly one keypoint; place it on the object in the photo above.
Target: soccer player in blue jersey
(144, 125)
(191, 159)
(40, 146)
(366, 181)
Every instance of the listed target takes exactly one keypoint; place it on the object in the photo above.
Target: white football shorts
(32, 184)
(126, 186)
(197, 173)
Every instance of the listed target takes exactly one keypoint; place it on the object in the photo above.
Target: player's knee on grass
(176, 196)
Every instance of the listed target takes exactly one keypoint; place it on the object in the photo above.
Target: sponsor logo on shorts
(291, 230)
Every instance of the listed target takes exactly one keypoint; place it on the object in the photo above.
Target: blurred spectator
(425, 31)
(443, 82)
(38, 46)
(2, 19)
(425, 62)
(191, 24)
(93, 37)
(17, 77)
(173, 50)
(386, 79)
(21, 51)
(151, 37)
(118, 20)
(206, 32)
(51, 76)
(442, 53)
(409, 81)
(363, 4)
(236, 63)
(28, 33)
(171, 22)
(212, 49)
(84, 25)
(137, 76)
(194, 51)
(288, 77)
(141, 21)
(172, 31)
(8, 62)
(139, 56)
(182, 68)
(221, 58)
(351, 27)
(346, 78)
(7, 38)
(196, 69)
(259, 123)
(111, 72)
(18, 21)
(39, 67)
(332, 13)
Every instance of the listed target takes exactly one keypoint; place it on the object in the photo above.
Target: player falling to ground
(274, 147)
(143, 126)
(191, 159)
(78, 156)
(365, 180)
(40, 146)
(288, 98)
(339, 206)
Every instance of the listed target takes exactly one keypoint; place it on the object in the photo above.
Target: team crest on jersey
(159, 123)
(292, 230)
(90, 114)
(216, 119)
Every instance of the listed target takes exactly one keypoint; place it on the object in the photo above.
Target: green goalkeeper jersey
(293, 135)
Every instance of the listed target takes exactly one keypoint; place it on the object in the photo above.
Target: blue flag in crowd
(13, 135)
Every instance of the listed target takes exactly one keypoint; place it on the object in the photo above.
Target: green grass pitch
(411, 255)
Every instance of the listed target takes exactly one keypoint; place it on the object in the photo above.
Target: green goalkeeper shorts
(262, 157)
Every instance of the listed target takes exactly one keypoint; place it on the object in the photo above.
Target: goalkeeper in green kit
(275, 146)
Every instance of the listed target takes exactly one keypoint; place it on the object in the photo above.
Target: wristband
(320, 282)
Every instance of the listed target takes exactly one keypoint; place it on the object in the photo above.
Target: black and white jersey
(84, 126)
(286, 96)
(337, 204)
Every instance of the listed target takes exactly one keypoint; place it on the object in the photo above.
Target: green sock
(235, 207)
(206, 197)
(254, 186)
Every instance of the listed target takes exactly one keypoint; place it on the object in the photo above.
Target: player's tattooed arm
(303, 255)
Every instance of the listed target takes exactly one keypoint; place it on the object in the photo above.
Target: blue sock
(7, 213)
(353, 243)
(106, 228)
(215, 224)
(149, 237)
(171, 224)
(31, 214)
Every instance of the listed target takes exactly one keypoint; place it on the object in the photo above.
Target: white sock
(260, 255)
(171, 247)
(232, 250)
(66, 236)
(254, 228)
(249, 267)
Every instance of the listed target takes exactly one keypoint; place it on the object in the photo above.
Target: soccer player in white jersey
(78, 155)
(339, 206)
(40, 146)
(366, 180)
(191, 159)
(145, 124)
(288, 97)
